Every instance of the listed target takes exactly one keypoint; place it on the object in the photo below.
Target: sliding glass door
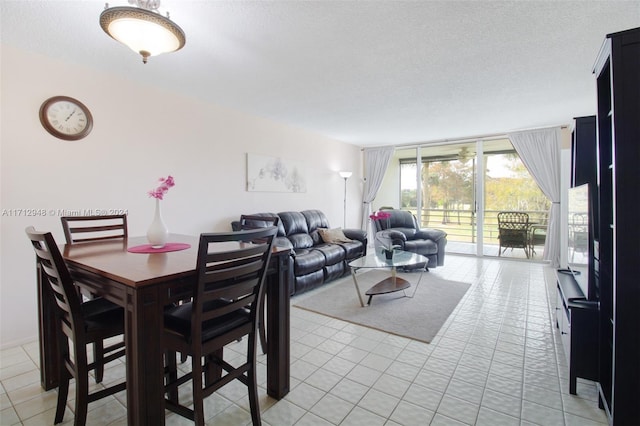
(440, 190)
(460, 188)
(508, 186)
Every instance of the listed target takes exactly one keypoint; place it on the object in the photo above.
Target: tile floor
(496, 361)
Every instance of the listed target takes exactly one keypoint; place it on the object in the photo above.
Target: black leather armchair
(401, 229)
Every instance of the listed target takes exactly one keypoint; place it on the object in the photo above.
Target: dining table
(144, 284)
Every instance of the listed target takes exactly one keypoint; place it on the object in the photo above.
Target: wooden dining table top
(111, 259)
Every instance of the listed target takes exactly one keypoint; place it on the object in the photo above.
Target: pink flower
(380, 215)
(163, 188)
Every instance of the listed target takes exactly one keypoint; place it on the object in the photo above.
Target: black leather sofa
(401, 230)
(314, 261)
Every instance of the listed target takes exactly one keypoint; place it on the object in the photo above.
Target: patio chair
(513, 231)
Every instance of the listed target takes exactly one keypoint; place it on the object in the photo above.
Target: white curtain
(376, 161)
(540, 153)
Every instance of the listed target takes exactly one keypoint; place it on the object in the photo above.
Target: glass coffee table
(377, 260)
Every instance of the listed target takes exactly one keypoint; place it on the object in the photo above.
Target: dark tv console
(577, 319)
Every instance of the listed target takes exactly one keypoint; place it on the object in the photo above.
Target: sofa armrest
(355, 234)
(395, 236)
(282, 242)
(430, 234)
(389, 238)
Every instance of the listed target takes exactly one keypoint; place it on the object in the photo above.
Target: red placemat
(146, 248)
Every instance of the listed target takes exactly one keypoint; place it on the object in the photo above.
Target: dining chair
(513, 231)
(253, 222)
(78, 324)
(84, 229)
(80, 229)
(231, 270)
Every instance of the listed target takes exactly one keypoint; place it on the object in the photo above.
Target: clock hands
(72, 112)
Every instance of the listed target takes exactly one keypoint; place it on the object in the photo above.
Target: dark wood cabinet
(617, 251)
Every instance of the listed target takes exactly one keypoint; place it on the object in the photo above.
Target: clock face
(66, 118)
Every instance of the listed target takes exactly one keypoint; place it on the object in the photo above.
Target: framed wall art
(274, 174)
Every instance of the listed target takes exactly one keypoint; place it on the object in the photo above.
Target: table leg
(143, 337)
(355, 281)
(278, 333)
(418, 283)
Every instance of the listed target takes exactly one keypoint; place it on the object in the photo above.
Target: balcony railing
(461, 225)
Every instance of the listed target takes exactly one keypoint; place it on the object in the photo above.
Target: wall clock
(66, 118)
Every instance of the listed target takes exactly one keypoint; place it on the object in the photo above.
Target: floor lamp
(345, 176)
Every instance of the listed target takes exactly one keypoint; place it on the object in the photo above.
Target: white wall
(140, 133)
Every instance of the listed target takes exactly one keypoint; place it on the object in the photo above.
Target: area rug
(419, 318)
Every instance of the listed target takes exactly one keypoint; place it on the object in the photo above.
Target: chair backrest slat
(80, 229)
(230, 271)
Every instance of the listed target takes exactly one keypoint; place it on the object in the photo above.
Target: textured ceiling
(367, 73)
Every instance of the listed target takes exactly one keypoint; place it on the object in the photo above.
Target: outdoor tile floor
(496, 361)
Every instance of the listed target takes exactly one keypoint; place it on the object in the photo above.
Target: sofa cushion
(423, 247)
(309, 281)
(301, 241)
(332, 253)
(262, 224)
(353, 249)
(293, 223)
(399, 219)
(333, 236)
(332, 272)
(430, 234)
(315, 219)
(306, 261)
(295, 227)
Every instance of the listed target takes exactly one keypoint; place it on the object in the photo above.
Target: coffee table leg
(355, 281)
(417, 284)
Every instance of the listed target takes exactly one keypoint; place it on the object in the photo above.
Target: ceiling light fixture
(142, 28)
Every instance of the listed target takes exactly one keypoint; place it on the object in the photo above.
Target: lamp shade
(345, 175)
(143, 31)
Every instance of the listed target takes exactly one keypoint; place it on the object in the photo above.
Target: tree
(450, 186)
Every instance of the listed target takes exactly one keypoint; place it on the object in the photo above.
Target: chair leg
(198, 394)
(82, 396)
(253, 395)
(252, 382)
(171, 375)
(98, 357)
(63, 393)
(213, 370)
